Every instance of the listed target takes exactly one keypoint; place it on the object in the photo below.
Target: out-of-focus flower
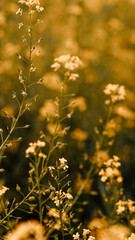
(32, 147)
(75, 9)
(91, 238)
(48, 109)
(112, 232)
(115, 91)
(132, 237)
(79, 134)
(52, 81)
(79, 182)
(110, 172)
(73, 76)
(123, 206)
(100, 158)
(132, 222)
(68, 62)
(27, 230)
(124, 112)
(78, 102)
(103, 230)
(54, 129)
(3, 189)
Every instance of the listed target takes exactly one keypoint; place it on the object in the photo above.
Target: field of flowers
(67, 119)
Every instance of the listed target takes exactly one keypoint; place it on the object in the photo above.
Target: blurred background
(102, 34)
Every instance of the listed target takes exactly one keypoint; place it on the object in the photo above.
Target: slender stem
(59, 198)
(38, 186)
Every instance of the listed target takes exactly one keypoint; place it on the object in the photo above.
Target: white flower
(76, 236)
(68, 195)
(69, 63)
(56, 66)
(115, 91)
(91, 238)
(62, 160)
(85, 232)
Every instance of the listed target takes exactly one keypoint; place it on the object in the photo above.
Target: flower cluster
(30, 4)
(69, 63)
(126, 209)
(123, 206)
(110, 172)
(32, 148)
(63, 164)
(85, 235)
(116, 93)
(60, 196)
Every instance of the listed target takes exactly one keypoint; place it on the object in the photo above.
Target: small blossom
(63, 163)
(76, 236)
(33, 69)
(132, 222)
(115, 91)
(42, 155)
(91, 238)
(51, 168)
(14, 95)
(73, 76)
(39, 9)
(40, 143)
(62, 160)
(85, 232)
(20, 25)
(68, 195)
(24, 93)
(19, 11)
(56, 66)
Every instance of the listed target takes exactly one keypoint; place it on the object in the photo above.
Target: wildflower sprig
(36, 173)
(115, 93)
(125, 210)
(39, 160)
(23, 101)
(60, 198)
(85, 235)
(111, 176)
